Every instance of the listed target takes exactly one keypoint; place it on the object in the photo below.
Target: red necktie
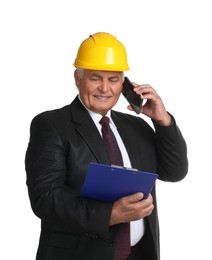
(111, 143)
(122, 249)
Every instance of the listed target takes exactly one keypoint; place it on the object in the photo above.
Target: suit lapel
(87, 129)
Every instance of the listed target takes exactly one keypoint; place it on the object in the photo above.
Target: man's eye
(95, 78)
(114, 80)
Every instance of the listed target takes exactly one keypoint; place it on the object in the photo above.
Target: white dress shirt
(137, 227)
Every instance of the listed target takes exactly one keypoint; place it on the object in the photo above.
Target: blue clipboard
(110, 183)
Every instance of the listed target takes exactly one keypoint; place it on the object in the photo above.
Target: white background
(169, 46)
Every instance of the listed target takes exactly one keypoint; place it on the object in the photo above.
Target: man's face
(99, 90)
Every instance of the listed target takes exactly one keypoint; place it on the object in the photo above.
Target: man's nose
(104, 87)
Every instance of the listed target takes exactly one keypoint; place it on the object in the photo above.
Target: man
(62, 144)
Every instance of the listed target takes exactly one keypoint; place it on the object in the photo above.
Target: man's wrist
(166, 121)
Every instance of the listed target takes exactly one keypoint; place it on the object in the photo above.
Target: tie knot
(104, 120)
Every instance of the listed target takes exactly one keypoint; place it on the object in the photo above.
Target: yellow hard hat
(102, 51)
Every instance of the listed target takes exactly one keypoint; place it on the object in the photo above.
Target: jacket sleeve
(171, 151)
(51, 198)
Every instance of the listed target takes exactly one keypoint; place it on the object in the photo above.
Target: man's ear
(76, 77)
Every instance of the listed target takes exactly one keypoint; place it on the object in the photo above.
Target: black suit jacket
(62, 144)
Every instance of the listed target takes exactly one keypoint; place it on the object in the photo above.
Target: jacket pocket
(59, 239)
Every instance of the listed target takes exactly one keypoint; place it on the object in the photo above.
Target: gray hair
(81, 71)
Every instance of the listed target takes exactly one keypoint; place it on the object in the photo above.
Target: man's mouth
(103, 98)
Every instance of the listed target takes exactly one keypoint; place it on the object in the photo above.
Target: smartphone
(134, 99)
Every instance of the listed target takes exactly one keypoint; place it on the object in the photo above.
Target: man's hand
(131, 208)
(154, 107)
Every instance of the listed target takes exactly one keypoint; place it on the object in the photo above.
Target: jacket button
(91, 235)
(112, 243)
